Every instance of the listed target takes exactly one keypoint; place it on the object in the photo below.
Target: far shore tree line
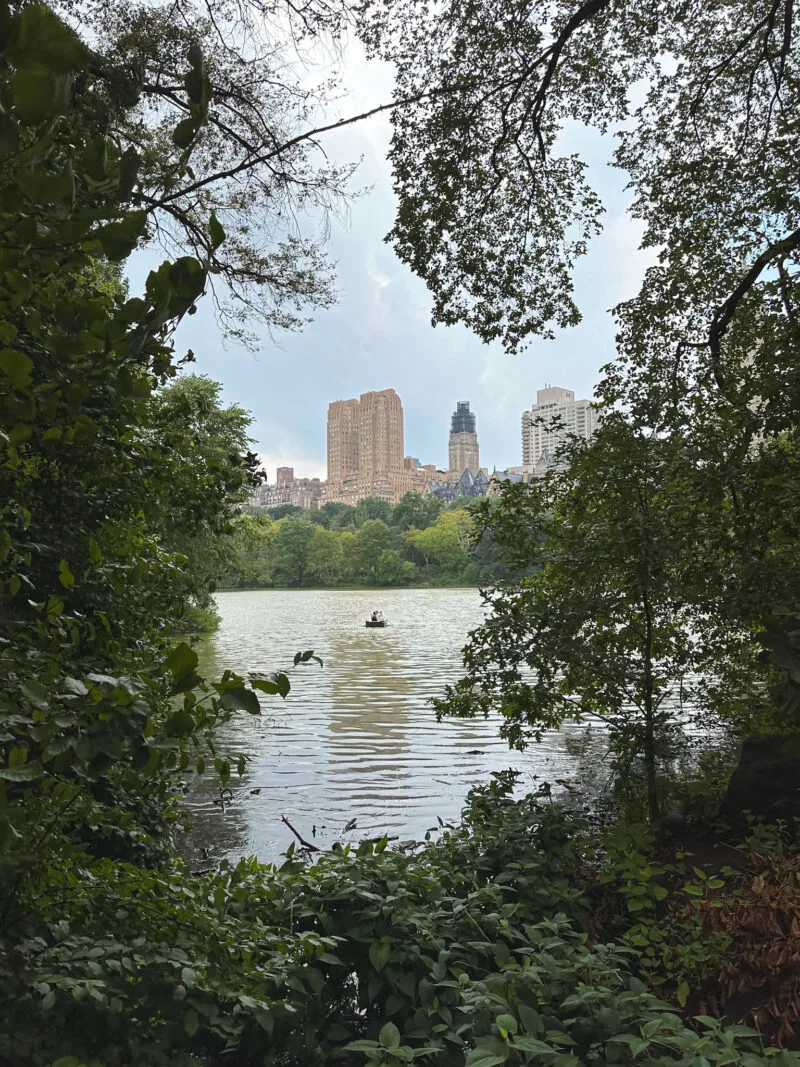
(418, 541)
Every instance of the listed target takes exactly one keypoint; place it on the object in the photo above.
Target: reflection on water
(356, 739)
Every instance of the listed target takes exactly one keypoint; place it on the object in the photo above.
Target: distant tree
(446, 542)
(325, 557)
(372, 508)
(251, 560)
(348, 539)
(392, 569)
(416, 510)
(282, 511)
(336, 516)
(372, 540)
(292, 545)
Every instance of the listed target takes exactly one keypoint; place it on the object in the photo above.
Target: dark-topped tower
(463, 450)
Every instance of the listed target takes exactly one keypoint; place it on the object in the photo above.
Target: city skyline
(367, 419)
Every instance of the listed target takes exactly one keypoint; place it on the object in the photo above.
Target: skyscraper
(365, 448)
(380, 433)
(463, 446)
(554, 417)
(342, 439)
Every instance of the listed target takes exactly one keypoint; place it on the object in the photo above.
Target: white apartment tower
(554, 417)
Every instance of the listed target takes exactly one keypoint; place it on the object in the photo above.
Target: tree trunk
(653, 806)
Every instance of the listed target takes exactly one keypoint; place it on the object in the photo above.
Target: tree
(190, 429)
(446, 542)
(337, 516)
(282, 511)
(392, 569)
(348, 539)
(325, 557)
(292, 547)
(372, 508)
(618, 622)
(256, 166)
(372, 539)
(415, 510)
(250, 561)
(493, 218)
(101, 716)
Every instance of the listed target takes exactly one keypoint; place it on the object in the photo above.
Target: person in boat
(374, 616)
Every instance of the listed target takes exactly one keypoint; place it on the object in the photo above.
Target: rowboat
(379, 622)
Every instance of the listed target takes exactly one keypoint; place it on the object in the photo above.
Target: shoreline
(338, 588)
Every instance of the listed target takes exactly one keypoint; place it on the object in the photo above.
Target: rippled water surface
(357, 738)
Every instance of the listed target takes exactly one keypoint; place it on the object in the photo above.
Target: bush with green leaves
(467, 950)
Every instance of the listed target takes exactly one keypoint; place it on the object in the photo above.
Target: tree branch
(300, 838)
(724, 314)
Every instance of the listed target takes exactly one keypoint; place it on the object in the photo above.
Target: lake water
(357, 738)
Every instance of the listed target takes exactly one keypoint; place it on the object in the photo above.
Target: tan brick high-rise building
(380, 433)
(365, 449)
(342, 439)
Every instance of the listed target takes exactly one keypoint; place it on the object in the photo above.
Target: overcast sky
(379, 335)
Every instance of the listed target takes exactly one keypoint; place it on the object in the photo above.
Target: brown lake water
(357, 738)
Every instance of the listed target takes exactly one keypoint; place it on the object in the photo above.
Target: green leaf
(525, 1043)
(181, 661)
(16, 366)
(240, 699)
(119, 239)
(9, 136)
(389, 1037)
(39, 93)
(265, 686)
(709, 1021)
(65, 575)
(488, 1056)
(379, 953)
(531, 1019)
(191, 1022)
(682, 993)
(41, 39)
(128, 172)
(215, 231)
(508, 1023)
(184, 133)
(23, 772)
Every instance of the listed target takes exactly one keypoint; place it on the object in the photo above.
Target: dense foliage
(494, 212)
(625, 619)
(417, 541)
(472, 949)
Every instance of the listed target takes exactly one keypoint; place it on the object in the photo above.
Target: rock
(766, 781)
